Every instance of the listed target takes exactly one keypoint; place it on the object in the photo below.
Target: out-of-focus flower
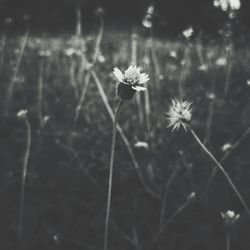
(191, 196)
(22, 114)
(8, 20)
(222, 61)
(226, 147)
(99, 11)
(210, 96)
(101, 58)
(230, 217)
(147, 20)
(188, 32)
(203, 67)
(226, 5)
(248, 82)
(173, 54)
(131, 81)
(72, 52)
(179, 114)
(141, 144)
(26, 17)
(44, 53)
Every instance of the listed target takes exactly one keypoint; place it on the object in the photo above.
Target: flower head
(131, 81)
(226, 5)
(230, 217)
(188, 32)
(179, 114)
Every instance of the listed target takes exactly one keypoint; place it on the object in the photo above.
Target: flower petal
(138, 88)
(143, 78)
(118, 74)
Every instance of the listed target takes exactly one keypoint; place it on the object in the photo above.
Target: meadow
(67, 86)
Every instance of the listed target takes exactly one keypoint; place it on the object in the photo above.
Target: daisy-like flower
(179, 114)
(230, 217)
(131, 81)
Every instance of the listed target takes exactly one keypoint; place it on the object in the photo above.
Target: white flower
(226, 147)
(141, 144)
(22, 114)
(188, 32)
(228, 4)
(179, 114)
(221, 61)
(230, 217)
(132, 77)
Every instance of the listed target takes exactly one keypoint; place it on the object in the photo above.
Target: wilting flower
(230, 217)
(179, 114)
(131, 81)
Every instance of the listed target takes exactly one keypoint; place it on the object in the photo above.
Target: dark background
(171, 15)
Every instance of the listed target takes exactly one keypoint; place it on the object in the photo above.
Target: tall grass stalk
(134, 44)
(111, 167)
(87, 77)
(124, 138)
(220, 167)
(24, 175)
(11, 85)
(3, 42)
(164, 197)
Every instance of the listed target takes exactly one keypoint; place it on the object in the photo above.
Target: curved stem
(24, 174)
(111, 167)
(219, 166)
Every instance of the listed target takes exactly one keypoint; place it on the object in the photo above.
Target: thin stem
(221, 169)
(11, 85)
(165, 225)
(228, 241)
(111, 167)
(233, 147)
(24, 174)
(123, 136)
(164, 198)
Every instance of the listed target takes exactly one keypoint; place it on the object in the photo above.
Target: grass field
(68, 98)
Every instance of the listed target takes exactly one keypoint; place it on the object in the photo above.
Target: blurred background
(56, 63)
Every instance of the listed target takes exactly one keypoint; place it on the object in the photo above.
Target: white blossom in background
(179, 114)
(226, 5)
(141, 144)
(188, 32)
(22, 114)
(230, 217)
(147, 20)
(221, 62)
(226, 147)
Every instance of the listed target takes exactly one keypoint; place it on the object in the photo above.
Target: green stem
(221, 169)
(111, 167)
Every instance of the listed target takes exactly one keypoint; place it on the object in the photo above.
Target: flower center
(132, 76)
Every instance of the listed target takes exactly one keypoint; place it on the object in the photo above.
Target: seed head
(179, 114)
